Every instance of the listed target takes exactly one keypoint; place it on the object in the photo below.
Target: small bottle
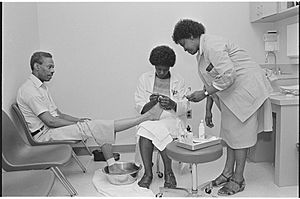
(201, 133)
(188, 128)
(189, 108)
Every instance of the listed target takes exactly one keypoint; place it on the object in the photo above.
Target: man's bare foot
(155, 112)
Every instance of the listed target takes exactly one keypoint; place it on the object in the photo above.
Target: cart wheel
(207, 190)
(160, 174)
(159, 195)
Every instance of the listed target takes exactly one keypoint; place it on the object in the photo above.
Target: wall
(101, 48)
(19, 39)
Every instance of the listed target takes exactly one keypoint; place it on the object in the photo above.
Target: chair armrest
(53, 142)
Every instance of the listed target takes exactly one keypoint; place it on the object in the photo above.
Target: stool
(203, 155)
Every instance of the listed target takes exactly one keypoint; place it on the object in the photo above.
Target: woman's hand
(154, 97)
(208, 119)
(166, 103)
(196, 96)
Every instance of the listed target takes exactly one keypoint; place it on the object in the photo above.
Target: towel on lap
(157, 132)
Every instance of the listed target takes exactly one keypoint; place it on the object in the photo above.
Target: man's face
(162, 71)
(190, 45)
(46, 69)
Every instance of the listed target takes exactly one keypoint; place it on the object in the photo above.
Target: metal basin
(128, 176)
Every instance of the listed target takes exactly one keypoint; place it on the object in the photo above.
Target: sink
(284, 82)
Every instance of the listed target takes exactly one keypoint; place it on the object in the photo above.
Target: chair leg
(62, 180)
(158, 172)
(194, 179)
(87, 148)
(157, 162)
(78, 162)
(194, 191)
(66, 180)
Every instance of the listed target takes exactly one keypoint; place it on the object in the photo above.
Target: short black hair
(162, 55)
(37, 57)
(185, 28)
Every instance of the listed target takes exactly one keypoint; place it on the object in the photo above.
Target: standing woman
(239, 88)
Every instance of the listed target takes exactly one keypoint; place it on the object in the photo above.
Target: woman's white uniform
(244, 93)
(163, 131)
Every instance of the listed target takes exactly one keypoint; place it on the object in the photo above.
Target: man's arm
(67, 117)
(54, 122)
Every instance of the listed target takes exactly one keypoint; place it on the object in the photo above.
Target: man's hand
(84, 119)
(196, 96)
(166, 103)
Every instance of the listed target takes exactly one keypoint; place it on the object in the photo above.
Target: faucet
(277, 69)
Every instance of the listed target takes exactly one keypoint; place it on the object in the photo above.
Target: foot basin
(129, 175)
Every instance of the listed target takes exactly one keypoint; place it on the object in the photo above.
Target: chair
(32, 141)
(17, 155)
(27, 183)
(203, 155)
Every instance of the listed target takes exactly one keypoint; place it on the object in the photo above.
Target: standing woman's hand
(196, 96)
(208, 119)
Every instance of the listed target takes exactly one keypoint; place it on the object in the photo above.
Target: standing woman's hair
(186, 28)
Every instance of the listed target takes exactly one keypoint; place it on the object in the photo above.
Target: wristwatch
(206, 93)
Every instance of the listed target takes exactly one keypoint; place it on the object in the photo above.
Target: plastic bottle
(201, 133)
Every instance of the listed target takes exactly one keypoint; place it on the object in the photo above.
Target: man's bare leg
(123, 124)
(152, 114)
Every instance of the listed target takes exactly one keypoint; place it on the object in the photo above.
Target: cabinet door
(292, 40)
(269, 8)
(259, 10)
(255, 11)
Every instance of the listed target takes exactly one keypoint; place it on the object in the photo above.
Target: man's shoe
(98, 156)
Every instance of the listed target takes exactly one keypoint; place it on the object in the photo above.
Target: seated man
(47, 122)
(166, 89)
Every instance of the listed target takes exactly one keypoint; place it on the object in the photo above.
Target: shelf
(279, 16)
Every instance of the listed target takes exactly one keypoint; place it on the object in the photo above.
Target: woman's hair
(37, 57)
(162, 55)
(186, 28)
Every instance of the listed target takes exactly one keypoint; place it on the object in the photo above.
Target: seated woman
(168, 89)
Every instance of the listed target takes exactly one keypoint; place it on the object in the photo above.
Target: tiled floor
(259, 178)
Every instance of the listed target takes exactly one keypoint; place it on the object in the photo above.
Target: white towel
(156, 132)
(131, 190)
(156, 128)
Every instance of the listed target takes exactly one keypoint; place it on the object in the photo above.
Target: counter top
(281, 99)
